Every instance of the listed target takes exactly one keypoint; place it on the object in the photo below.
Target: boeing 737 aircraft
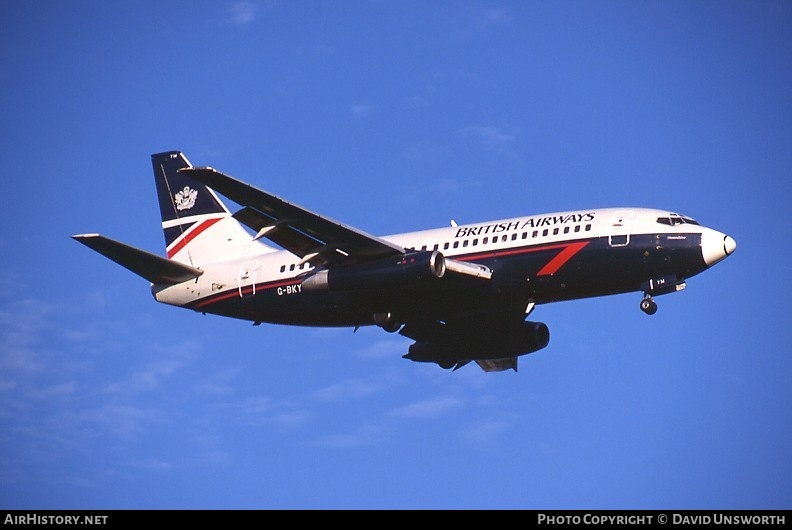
(462, 293)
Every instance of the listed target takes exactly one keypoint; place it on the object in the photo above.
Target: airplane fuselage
(532, 260)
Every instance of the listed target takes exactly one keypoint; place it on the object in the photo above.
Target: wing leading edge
(316, 239)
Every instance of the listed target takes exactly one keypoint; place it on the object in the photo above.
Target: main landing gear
(648, 305)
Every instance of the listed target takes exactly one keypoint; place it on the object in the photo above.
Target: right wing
(314, 238)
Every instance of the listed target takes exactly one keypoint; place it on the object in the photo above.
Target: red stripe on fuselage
(192, 234)
(246, 291)
(561, 258)
(568, 251)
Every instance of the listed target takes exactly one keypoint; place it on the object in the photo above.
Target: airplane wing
(314, 238)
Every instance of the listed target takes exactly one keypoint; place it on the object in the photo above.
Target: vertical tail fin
(197, 225)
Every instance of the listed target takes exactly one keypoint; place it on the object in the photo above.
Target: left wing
(314, 238)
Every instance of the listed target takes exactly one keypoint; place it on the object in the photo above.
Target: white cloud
(122, 419)
(486, 431)
(152, 464)
(265, 409)
(348, 389)
(493, 138)
(427, 409)
(21, 327)
(245, 12)
(360, 110)
(152, 375)
(365, 435)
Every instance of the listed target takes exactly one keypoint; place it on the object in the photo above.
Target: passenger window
(545, 232)
(535, 233)
(291, 267)
(445, 247)
(475, 242)
(456, 244)
(283, 268)
(588, 228)
(465, 243)
(555, 231)
(484, 241)
(566, 229)
(577, 229)
(514, 237)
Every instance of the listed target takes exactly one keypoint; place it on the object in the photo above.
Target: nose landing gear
(648, 305)
(658, 286)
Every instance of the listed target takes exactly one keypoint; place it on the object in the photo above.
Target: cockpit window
(673, 220)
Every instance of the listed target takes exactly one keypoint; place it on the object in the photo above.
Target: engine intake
(403, 271)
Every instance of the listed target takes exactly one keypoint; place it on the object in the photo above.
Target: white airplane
(462, 292)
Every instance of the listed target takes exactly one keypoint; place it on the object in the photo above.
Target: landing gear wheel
(648, 306)
(387, 322)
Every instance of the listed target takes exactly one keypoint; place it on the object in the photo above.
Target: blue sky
(393, 117)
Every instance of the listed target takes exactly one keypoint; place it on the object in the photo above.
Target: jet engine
(395, 272)
(509, 341)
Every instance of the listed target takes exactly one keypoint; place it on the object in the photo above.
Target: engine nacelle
(527, 337)
(403, 271)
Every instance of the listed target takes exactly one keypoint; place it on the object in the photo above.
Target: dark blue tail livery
(179, 195)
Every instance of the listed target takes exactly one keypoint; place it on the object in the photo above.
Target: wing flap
(153, 268)
(295, 228)
(498, 365)
(278, 231)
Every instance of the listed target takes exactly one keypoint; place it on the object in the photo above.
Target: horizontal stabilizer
(154, 268)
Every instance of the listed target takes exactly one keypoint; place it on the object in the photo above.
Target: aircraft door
(621, 225)
(247, 278)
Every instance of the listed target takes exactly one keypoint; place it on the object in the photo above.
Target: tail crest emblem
(185, 199)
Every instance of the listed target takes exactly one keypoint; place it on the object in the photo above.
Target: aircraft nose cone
(729, 245)
(716, 246)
